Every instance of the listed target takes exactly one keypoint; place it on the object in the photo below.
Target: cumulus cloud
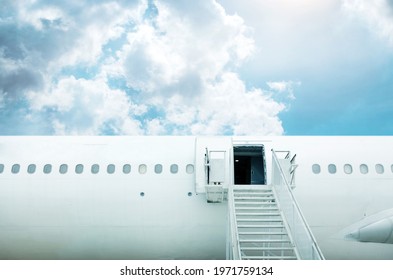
(172, 49)
(80, 106)
(139, 67)
(284, 87)
(377, 14)
(229, 107)
(16, 76)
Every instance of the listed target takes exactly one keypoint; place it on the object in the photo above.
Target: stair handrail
(234, 236)
(306, 244)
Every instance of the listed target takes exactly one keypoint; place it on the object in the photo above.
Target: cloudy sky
(266, 67)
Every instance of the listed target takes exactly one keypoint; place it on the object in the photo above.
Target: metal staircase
(260, 226)
(265, 221)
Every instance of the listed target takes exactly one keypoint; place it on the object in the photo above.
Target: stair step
(264, 240)
(267, 248)
(251, 197)
(254, 200)
(237, 191)
(254, 203)
(260, 226)
(253, 192)
(264, 233)
(256, 208)
(258, 214)
(261, 220)
(269, 258)
(252, 187)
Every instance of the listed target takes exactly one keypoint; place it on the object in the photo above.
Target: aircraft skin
(144, 201)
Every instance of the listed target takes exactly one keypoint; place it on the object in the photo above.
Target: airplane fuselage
(141, 198)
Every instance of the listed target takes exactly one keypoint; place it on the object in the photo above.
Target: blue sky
(216, 67)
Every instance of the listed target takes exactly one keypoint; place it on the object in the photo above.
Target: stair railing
(303, 238)
(234, 246)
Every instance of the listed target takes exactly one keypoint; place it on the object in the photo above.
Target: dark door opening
(249, 165)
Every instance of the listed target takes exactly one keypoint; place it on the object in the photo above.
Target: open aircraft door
(213, 156)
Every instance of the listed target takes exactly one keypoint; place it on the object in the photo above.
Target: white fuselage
(137, 198)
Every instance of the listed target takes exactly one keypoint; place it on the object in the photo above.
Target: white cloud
(86, 107)
(177, 68)
(102, 23)
(155, 127)
(223, 107)
(284, 87)
(184, 66)
(8, 65)
(377, 14)
(78, 30)
(42, 16)
(228, 105)
(161, 52)
(16, 75)
(308, 41)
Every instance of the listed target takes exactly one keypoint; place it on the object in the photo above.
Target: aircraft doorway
(249, 165)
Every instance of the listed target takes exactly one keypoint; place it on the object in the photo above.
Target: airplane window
(142, 169)
(110, 168)
(47, 168)
(348, 169)
(2, 168)
(332, 168)
(158, 168)
(174, 168)
(126, 168)
(63, 169)
(379, 168)
(79, 169)
(31, 168)
(391, 167)
(95, 168)
(15, 168)
(316, 168)
(363, 168)
(190, 169)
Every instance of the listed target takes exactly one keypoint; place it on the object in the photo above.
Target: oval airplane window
(174, 168)
(126, 168)
(142, 169)
(158, 168)
(190, 169)
(363, 168)
(348, 169)
(31, 168)
(110, 168)
(79, 169)
(47, 168)
(95, 168)
(332, 168)
(316, 168)
(379, 168)
(63, 169)
(2, 168)
(15, 168)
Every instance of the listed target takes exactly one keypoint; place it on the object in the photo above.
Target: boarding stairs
(262, 233)
(265, 221)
